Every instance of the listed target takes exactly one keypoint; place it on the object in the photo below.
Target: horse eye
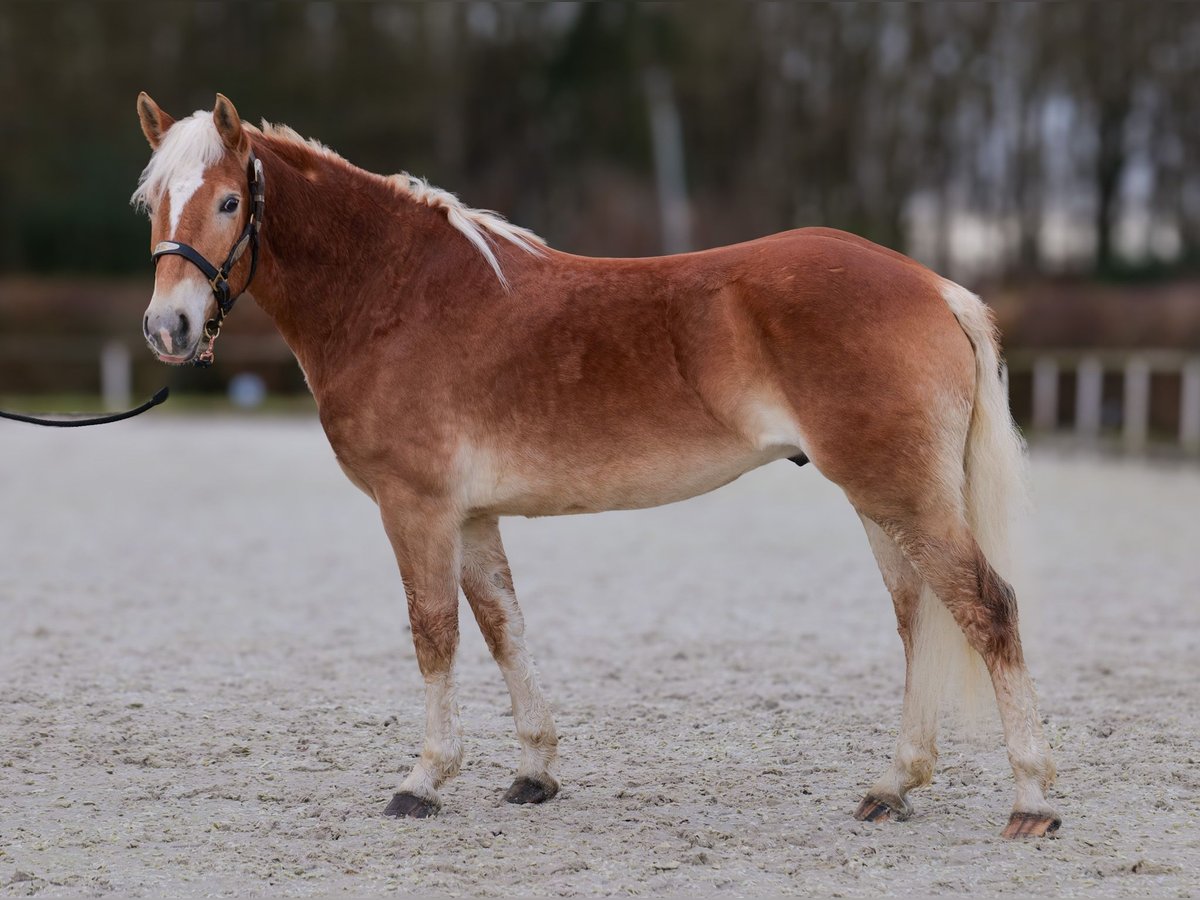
(230, 205)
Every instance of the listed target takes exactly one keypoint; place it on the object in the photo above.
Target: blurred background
(1045, 155)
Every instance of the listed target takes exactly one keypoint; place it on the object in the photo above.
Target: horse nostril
(146, 324)
(183, 323)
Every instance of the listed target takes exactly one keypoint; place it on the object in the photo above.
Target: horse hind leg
(916, 749)
(487, 583)
(946, 555)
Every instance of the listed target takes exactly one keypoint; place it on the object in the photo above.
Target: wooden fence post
(1136, 411)
(1045, 393)
(1089, 396)
(116, 375)
(1189, 406)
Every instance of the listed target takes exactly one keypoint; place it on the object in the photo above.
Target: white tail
(948, 670)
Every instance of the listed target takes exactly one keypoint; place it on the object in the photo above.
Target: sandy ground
(207, 687)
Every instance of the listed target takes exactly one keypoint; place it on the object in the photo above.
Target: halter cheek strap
(218, 278)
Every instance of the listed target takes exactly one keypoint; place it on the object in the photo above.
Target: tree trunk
(1110, 163)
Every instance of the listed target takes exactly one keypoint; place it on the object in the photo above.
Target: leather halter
(218, 278)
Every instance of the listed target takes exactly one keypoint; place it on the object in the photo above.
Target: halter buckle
(220, 288)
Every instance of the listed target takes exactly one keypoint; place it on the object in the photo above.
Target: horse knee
(435, 637)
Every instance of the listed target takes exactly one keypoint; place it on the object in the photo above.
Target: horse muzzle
(175, 332)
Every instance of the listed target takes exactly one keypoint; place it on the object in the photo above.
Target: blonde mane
(479, 226)
(475, 224)
(193, 144)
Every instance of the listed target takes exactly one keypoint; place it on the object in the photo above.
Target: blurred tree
(1009, 136)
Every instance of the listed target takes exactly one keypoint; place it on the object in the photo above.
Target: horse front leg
(487, 582)
(425, 538)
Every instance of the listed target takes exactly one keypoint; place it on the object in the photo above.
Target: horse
(463, 370)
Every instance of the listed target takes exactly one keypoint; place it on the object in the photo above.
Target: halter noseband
(218, 278)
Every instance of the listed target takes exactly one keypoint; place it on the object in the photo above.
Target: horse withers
(464, 371)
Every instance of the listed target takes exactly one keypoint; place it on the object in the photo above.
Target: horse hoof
(1031, 825)
(529, 790)
(409, 806)
(875, 809)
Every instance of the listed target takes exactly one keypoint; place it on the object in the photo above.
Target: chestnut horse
(464, 371)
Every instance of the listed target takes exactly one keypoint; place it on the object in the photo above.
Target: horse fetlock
(916, 766)
(1036, 766)
(544, 739)
(536, 761)
(421, 783)
(442, 762)
(1031, 798)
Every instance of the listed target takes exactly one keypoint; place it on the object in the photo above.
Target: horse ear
(154, 121)
(229, 124)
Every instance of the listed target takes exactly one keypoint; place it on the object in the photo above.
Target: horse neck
(330, 232)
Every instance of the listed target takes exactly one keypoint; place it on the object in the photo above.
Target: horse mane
(193, 143)
(479, 226)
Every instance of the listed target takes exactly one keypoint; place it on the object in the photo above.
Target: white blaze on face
(176, 171)
(190, 295)
(180, 189)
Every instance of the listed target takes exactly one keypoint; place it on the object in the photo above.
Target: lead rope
(158, 398)
(218, 280)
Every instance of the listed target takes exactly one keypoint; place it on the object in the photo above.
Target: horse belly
(497, 485)
(645, 438)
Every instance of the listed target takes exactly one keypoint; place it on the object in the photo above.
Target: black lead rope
(158, 398)
(218, 281)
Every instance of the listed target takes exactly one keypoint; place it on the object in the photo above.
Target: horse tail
(994, 490)
(995, 461)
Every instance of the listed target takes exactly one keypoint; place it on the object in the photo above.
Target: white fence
(1135, 368)
(1045, 370)
(116, 360)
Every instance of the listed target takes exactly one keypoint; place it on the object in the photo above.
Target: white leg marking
(488, 585)
(442, 753)
(531, 712)
(1028, 751)
(916, 748)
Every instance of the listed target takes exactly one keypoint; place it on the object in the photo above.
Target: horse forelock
(189, 147)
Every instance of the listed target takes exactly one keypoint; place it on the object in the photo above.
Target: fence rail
(1048, 369)
(1039, 383)
(48, 364)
